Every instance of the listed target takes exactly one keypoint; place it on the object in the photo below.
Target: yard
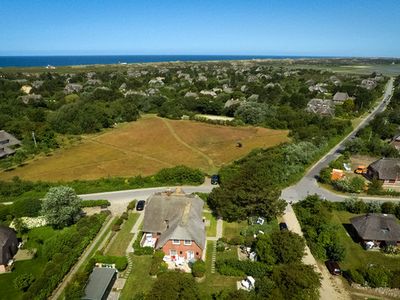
(146, 146)
(122, 239)
(356, 256)
(233, 229)
(36, 237)
(212, 229)
(139, 280)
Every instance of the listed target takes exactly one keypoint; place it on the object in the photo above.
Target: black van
(215, 179)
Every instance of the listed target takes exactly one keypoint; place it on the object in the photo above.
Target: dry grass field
(146, 146)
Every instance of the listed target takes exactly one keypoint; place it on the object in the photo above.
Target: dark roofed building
(173, 222)
(8, 247)
(385, 169)
(377, 228)
(100, 283)
(7, 142)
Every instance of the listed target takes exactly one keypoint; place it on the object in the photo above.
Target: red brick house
(173, 222)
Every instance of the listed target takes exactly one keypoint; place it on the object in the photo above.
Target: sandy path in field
(176, 136)
(331, 286)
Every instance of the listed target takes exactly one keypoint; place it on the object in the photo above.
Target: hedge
(93, 203)
(234, 267)
(121, 262)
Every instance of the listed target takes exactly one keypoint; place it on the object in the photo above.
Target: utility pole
(34, 139)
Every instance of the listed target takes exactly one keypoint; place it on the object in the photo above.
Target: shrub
(180, 175)
(93, 203)
(220, 245)
(156, 263)
(236, 240)
(234, 267)
(124, 215)
(131, 205)
(116, 227)
(378, 276)
(23, 281)
(121, 262)
(199, 268)
(26, 208)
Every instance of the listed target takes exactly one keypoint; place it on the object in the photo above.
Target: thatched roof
(377, 227)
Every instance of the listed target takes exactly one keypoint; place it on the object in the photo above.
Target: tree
(264, 250)
(174, 285)
(61, 206)
(26, 207)
(297, 281)
(288, 247)
(23, 281)
(335, 251)
(199, 268)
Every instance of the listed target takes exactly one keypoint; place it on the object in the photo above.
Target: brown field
(146, 146)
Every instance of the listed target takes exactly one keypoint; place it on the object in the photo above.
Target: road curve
(308, 184)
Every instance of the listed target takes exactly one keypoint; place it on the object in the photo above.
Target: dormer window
(187, 242)
(176, 242)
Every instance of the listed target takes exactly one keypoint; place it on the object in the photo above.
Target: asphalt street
(308, 184)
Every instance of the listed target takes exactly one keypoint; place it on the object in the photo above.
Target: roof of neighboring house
(321, 107)
(7, 140)
(176, 216)
(386, 168)
(98, 282)
(8, 238)
(341, 97)
(378, 227)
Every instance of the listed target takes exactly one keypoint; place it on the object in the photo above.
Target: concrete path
(58, 291)
(220, 224)
(331, 288)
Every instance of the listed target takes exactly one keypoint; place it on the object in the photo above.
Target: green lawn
(216, 282)
(139, 281)
(36, 237)
(233, 229)
(356, 256)
(123, 237)
(212, 229)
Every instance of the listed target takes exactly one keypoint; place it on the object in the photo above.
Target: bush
(93, 203)
(236, 240)
(234, 267)
(139, 250)
(378, 276)
(124, 215)
(26, 208)
(199, 268)
(121, 262)
(180, 175)
(116, 227)
(23, 281)
(356, 276)
(156, 262)
(131, 205)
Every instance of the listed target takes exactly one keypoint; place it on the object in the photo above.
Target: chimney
(166, 223)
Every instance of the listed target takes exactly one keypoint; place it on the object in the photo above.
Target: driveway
(331, 286)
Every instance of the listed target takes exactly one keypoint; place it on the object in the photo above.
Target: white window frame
(187, 242)
(173, 251)
(176, 242)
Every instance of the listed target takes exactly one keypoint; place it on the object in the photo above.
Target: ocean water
(42, 61)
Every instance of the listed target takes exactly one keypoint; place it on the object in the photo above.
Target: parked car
(140, 205)
(215, 179)
(283, 226)
(333, 267)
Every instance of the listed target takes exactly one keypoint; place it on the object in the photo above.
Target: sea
(73, 60)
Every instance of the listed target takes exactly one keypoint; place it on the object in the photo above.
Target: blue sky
(254, 27)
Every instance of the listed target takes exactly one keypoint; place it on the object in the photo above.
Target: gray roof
(98, 283)
(340, 97)
(176, 216)
(6, 141)
(377, 227)
(8, 244)
(386, 168)
(321, 107)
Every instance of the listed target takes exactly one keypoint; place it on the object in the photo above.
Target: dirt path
(60, 288)
(176, 136)
(331, 287)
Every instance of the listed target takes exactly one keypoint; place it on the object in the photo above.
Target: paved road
(308, 184)
(120, 199)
